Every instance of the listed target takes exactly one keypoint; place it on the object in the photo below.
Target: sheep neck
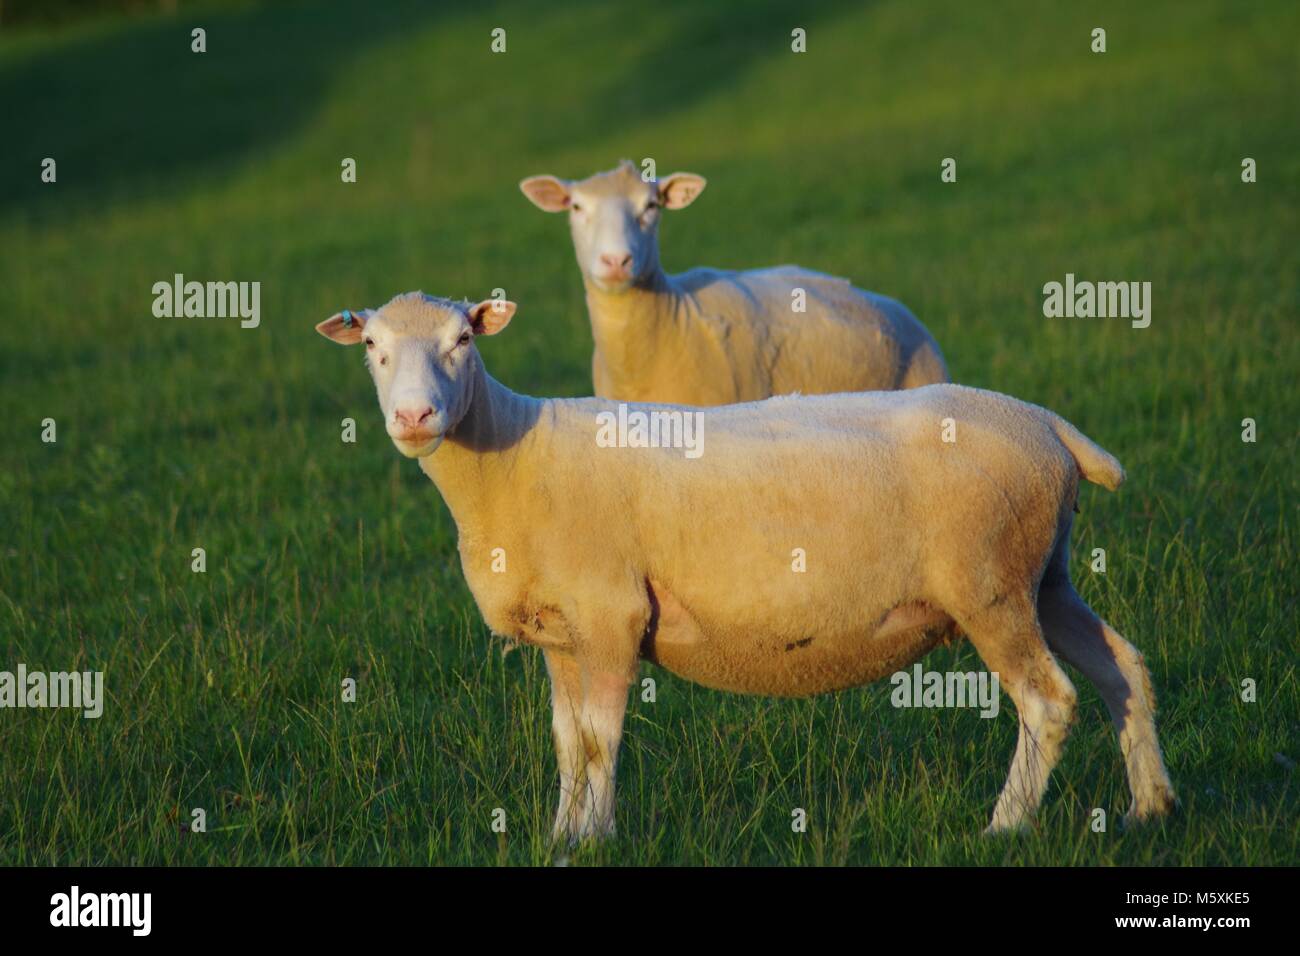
(477, 456)
(631, 327)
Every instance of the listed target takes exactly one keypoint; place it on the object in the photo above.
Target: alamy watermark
(922, 688)
(1102, 300)
(651, 428)
(75, 908)
(208, 300)
(78, 690)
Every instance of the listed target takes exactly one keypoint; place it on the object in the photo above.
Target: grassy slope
(328, 559)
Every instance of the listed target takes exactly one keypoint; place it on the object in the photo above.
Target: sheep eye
(464, 339)
(370, 343)
(575, 207)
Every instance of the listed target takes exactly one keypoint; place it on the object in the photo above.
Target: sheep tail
(1095, 463)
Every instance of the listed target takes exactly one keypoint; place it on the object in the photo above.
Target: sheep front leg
(604, 705)
(570, 754)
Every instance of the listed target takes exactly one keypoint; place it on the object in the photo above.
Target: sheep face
(614, 220)
(421, 354)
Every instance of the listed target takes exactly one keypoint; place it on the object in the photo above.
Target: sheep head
(614, 219)
(421, 354)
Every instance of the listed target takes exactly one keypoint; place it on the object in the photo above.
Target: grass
(327, 560)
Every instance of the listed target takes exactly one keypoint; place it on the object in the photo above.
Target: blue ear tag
(347, 318)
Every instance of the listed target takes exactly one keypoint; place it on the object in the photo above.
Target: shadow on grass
(127, 107)
(129, 104)
(710, 46)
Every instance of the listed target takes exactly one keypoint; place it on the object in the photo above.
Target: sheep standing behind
(714, 337)
(602, 556)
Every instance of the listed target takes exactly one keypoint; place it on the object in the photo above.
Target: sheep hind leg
(1117, 670)
(1007, 636)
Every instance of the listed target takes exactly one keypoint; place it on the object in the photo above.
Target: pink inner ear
(549, 194)
(681, 193)
(491, 316)
(344, 328)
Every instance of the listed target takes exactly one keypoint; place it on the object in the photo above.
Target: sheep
(714, 337)
(604, 556)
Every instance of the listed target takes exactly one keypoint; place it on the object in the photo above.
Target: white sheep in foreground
(616, 554)
(714, 337)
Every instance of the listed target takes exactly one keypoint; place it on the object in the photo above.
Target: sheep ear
(345, 327)
(679, 190)
(546, 192)
(491, 316)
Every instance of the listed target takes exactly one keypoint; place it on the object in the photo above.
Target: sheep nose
(616, 262)
(413, 417)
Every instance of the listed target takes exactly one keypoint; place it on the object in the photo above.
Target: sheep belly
(789, 665)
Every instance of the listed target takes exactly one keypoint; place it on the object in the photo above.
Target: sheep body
(714, 337)
(695, 557)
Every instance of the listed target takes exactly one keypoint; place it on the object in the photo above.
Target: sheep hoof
(1160, 804)
(999, 828)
